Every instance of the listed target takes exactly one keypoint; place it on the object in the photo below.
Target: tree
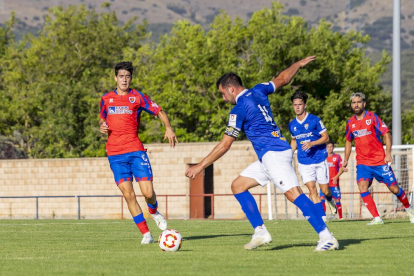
(180, 72)
(54, 81)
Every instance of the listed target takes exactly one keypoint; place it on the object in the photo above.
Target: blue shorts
(336, 193)
(383, 174)
(126, 165)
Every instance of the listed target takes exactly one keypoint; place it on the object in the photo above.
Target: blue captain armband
(232, 132)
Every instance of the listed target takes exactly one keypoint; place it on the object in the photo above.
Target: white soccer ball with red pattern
(170, 240)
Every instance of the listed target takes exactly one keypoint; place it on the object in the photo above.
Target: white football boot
(376, 221)
(410, 213)
(325, 219)
(160, 220)
(260, 237)
(326, 245)
(332, 206)
(147, 238)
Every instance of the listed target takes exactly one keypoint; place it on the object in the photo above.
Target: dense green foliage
(51, 84)
(108, 247)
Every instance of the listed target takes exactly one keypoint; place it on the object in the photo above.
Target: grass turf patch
(112, 247)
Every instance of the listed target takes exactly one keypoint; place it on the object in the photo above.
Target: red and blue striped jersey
(122, 115)
(334, 164)
(366, 133)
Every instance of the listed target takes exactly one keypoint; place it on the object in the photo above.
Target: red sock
(339, 208)
(403, 198)
(324, 206)
(152, 209)
(370, 204)
(143, 227)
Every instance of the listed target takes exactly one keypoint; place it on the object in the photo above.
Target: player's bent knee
(237, 187)
(312, 190)
(148, 194)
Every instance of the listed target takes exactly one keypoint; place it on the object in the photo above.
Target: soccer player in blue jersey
(309, 136)
(252, 114)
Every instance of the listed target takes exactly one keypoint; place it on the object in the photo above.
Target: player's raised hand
(305, 61)
(172, 139)
(103, 128)
(193, 171)
(306, 146)
(344, 165)
(388, 159)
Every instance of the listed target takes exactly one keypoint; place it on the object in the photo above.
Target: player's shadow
(343, 243)
(212, 236)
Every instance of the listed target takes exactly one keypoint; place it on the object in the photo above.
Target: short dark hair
(299, 95)
(330, 142)
(229, 79)
(124, 65)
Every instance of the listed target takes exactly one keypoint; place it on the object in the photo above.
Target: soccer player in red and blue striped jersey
(120, 117)
(335, 168)
(365, 128)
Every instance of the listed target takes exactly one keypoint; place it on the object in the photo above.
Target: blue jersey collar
(365, 114)
(241, 94)
(304, 119)
(116, 92)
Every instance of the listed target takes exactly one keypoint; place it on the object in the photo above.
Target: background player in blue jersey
(252, 114)
(309, 136)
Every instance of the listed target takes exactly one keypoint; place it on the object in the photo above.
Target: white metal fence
(352, 206)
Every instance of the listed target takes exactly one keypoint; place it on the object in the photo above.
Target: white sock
(259, 228)
(325, 234)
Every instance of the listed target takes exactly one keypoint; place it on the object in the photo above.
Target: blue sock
(249, 207)
(400, 192)
(139, 218)
(320, 210)
(328, 198)
(310, 212)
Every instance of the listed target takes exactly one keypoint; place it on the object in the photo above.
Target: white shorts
(314, 172)
(276, 166)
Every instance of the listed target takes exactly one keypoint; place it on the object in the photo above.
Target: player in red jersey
(119, 117)
(334, 161)
(365, 128)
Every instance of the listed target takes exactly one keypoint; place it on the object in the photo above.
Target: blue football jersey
(308, 130)
(253, 116)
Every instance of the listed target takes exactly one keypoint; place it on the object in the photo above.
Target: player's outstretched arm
(214, 155)
(341, 171)
(169, 132)
(348, 148)
(388, 145)
(293, 144)
(103, 127)
(287, 75)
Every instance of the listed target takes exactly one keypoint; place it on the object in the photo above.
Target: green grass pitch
(112, 247)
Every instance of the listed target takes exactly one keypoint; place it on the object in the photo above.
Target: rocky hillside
(374, 17)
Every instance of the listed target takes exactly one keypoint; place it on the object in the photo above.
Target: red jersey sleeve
(148, 105)
(349, 135)
(339, 164)
(380, 126)
(103, 113)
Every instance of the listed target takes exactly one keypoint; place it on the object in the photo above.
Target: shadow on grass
(343, 243)
(212, 236)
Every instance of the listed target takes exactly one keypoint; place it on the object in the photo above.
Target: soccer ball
(170, 240)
